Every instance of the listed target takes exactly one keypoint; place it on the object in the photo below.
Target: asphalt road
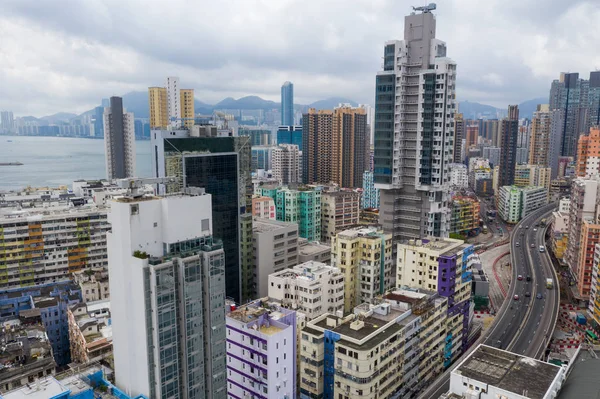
(520, 326)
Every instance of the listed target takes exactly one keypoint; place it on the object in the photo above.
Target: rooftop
(582, 382)
(44, 388)
(360, 231)
(266, 318)
(434, 243)
(261, 225)
(312, 248)
(307, 270)
(505, 370)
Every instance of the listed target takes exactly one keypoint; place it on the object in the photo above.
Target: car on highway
(519, 277)
(539, 296)
(528, 294)
(517, 245)
(516, 297)
(534, 229)
(528, 278)
(526, 227)
(532, 245)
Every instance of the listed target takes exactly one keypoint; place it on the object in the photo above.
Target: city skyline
(42, 74)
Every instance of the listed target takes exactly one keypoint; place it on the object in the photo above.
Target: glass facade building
(290, 135)
(287, 104)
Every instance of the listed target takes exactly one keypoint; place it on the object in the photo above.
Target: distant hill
(249, 102)
(471, 110)
(527, 108)
(331, 103)
(59, 117)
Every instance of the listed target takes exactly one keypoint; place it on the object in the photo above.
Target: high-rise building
(472, 136)
(339, 210)
(465, 216)
(275, 248)
(287, 104)
(302, 206)
(539, 143)
(286, 164)
(335, 146)
(492, 154)
(290, 135)
(370, 194)
(459, 135)
(167, 275)
(588, 153)
(579, 103)
(368, 270)
(261, 351)
(119, 140)
(221, 165)
(459, 177)
(509, 130)
(312, 288)
(370, 111)
(7, 121)
(262, 157)
(171, 106)
(263, 207)
(443, 266)
(532, 175)
(414, 129)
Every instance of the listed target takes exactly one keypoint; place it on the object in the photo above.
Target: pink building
(263, 207)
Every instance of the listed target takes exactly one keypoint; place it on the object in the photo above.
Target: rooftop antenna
(425, 9)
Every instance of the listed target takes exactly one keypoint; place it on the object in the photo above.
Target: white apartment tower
(286, 163)
(168, 280)
(173, 98)
(119, 140)
(312, 288)
(414, 131)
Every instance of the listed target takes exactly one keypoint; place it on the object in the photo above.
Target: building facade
(364, 256)
(90, 331)
(261, 351)
(286, 164)
(275, 248)
(370, 194)
(167, 274)
(290, 135)
(264, 208)
(443, 266)
(514, 203)
(509, 131)
(312, 288)
(459, 176)
(414, 128)
(339, 210)
(465, 216)
(539, 143)
(171, 106)
(119, 140)
(588, 153)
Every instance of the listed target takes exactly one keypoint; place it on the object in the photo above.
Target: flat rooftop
(313, 248)
(47, 387)
(437, 244)
(583, 380)
(261, 225)
(508, 371)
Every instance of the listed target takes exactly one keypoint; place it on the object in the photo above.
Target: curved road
(525, 325)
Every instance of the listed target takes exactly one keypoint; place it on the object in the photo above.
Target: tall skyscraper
(119, 140)
(509, 131)
(459, 135)
(98, 121)
(221, 165)
(171, 106)
(167, 275)
(579, 99)
(414, 128)
(287, 104)
(539, 141)
(334, 144)
(588, 154)
(472, 136)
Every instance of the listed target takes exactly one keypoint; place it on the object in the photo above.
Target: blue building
(261, 157)
(290, 135)
(370, 195)
(287, 104)
(98, 120)
(53, 301)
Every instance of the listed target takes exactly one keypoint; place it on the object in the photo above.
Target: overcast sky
(65, 55)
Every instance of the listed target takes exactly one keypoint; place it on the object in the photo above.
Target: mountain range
(137, 102)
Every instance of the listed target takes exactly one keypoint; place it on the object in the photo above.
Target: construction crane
(428, 8)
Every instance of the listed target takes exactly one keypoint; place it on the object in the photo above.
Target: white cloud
(66, 55)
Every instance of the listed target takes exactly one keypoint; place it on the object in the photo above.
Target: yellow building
(182, 105)
(187, 107)
(392, 349)
(364, 256)
(157, 99)
(532, 175)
